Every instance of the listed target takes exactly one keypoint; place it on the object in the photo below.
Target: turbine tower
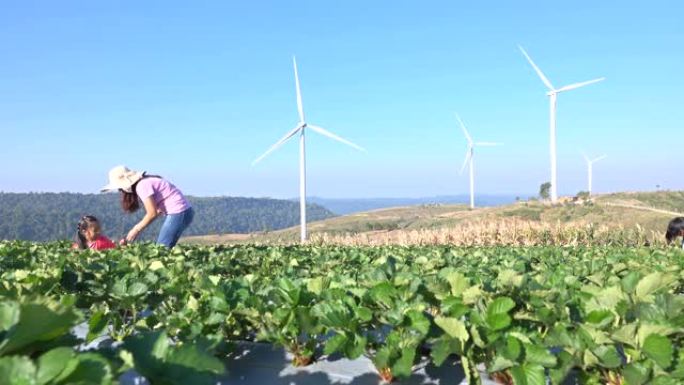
(470, 157)
(301, 130)
(553, 95)
(590, 166)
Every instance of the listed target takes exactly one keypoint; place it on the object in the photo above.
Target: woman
(158, 197)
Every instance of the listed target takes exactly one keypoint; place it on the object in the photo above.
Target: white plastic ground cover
(256, 364)
(264, 364)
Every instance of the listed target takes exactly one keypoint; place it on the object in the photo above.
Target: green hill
(53, 216)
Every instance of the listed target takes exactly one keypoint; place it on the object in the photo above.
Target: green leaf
(528, 374)
(652, 283)
(646, 329)
(455, 328)
(39, 323)
(539, 355)
(364, 314)
(119, 288)
(659, 349)
(630, 281)
(457, 281)
(471, 295)
(608, 356)
(665, 380)
(137, 289)
(418, 321)
(156, 265)
(600, 318)
(501, 305)
(91, 369)
(500, 363)
(17, 370)
(636, 373)
(443, 348)
(383, 293)
(96, 325)
(334, 344)
(498, 321)
(9, 314)
(566, 362)
(317, 285)
(510, 278)
(512, 349)
(404, 365)
(191, 357)
(381, 360)
(354, 349)
(53, 363)
(626, 334)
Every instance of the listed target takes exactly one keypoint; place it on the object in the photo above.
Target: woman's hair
(84, 224)
(674, 229)
(129, 200)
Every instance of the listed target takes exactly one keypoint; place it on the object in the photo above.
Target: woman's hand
(151, 212)
(133, 234)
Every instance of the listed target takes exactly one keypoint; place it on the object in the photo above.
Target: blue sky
(195, 91)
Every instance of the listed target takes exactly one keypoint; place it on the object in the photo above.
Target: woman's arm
(150, 215)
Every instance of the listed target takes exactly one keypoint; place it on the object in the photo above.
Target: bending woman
(158, 197)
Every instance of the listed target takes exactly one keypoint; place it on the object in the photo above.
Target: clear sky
(195, 91)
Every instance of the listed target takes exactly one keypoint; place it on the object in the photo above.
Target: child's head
(87, 231)
(674, 229)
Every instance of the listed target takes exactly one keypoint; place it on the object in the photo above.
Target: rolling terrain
(648, 212)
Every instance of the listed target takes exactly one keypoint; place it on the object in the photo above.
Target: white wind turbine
(301, 130)
(590, 166)
(469, 158)
(553, 94)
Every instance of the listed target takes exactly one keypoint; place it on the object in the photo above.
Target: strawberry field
(524, 316)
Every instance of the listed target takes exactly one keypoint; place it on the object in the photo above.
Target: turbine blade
(465, 131)
(585, 156)
(466, 160)
(599, 158)
(335, 137)
(278, 144)
(578, 85)
(536, 69)
(300, 107)
(488, 144)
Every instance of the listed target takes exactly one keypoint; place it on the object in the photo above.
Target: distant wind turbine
(470, 157)
(301, 129)
(553, 94)
(590, 166)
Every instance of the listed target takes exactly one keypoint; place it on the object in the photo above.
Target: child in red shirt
(88, 235)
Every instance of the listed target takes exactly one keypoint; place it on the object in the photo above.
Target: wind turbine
(469, 158)
(553, 94)
(301, 130)
(590, 166)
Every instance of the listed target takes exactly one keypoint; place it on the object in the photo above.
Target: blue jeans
(173, 227)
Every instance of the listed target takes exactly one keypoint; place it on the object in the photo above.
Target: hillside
(53, 216)
(649, 212)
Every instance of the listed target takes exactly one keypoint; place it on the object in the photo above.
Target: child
(88, 235)
(675, 229)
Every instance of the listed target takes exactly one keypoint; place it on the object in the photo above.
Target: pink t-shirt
(168, 198)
